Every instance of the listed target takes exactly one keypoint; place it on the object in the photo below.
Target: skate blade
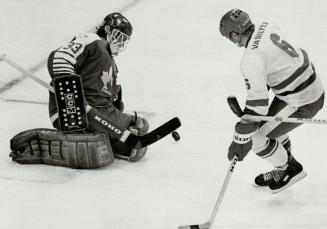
(260, 188)
(295, 179)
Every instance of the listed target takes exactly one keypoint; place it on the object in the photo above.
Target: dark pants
(277, 105)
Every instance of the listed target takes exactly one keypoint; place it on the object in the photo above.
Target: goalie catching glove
(242, 142)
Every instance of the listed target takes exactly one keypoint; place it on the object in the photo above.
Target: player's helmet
(119, 34)
(234, 21)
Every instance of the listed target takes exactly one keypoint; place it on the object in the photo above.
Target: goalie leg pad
(52, 147)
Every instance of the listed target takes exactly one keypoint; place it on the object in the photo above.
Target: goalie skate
(70, 103)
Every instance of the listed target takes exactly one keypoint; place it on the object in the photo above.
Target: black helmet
(118, 34)
(234, 21)
(118, 21)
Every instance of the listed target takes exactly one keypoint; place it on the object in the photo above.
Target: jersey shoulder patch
(86, 38)
(77, 46)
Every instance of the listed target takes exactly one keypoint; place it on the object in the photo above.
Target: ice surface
(176, 64)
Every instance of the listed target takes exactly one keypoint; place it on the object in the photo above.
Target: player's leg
(277, 147)
(285, 141)
(271, 149)
(293, 170)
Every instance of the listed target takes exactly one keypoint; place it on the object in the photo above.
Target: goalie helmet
(236, 21)
(117, 30)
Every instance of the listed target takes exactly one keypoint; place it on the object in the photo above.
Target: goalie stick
(124, 135)
(235, 107)
(210, 221)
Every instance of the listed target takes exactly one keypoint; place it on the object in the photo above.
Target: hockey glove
(242, 142)
(139, 126)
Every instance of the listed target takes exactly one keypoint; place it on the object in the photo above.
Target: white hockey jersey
(271, 62)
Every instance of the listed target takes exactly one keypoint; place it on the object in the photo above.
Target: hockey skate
(262, 180)
(285, 177)
(281, 178)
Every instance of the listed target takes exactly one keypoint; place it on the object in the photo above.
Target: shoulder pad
(86, 38)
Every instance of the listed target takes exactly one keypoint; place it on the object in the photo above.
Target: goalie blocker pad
(70, 102)
(53, 147)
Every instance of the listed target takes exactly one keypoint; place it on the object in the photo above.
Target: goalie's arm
(65, 59)
(99, 122)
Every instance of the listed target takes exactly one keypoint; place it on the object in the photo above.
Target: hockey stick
(210, 221)
(235, 107)
(4, 58)
(123, 135)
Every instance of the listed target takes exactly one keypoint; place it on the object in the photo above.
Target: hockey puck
(176, 136)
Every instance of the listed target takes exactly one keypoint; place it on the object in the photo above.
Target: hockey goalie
(84, 77)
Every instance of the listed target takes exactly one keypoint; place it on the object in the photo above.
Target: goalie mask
(117, 30)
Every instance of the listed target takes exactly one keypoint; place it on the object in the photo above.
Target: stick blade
(189, 227)
(235, 106)
(196, 226)
(160, 132)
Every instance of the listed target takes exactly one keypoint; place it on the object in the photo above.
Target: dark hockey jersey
(87, 56)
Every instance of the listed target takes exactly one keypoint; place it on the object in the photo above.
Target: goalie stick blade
(160, 132)
(235, 106)
(156, 134)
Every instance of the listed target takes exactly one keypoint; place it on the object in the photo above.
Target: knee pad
(259, 142)
(53, 147)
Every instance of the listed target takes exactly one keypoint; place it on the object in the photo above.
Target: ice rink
(177, 64)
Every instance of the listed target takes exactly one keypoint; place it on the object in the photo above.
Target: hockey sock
(286, 142)
(274, 153)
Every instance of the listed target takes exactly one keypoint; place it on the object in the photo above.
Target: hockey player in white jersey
(270, 62)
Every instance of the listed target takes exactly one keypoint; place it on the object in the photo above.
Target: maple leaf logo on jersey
(106, 79)
(247, 83)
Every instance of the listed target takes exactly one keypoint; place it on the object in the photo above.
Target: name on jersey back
(259, 34)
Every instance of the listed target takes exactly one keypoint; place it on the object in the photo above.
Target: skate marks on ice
(38, 174)
(144, 114)
(24, 101)
(21, 77)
